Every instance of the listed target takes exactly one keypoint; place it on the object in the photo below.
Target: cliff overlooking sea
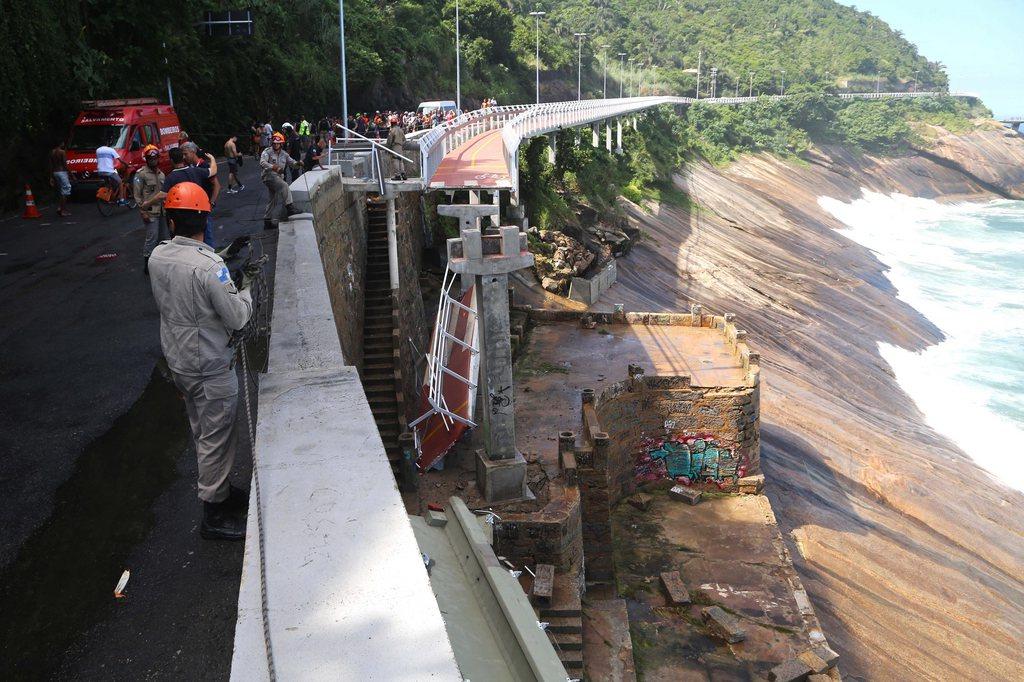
(913, 554)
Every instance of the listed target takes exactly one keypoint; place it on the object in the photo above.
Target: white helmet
(286, 124)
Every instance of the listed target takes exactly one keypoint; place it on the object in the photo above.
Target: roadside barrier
(30, 204)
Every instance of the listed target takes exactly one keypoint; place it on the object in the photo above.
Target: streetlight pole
(714, 82)
(579, 65)
(344, 75)
(700, 53)
(751, 84)
(537, 15)
(458, 61)
(622, 70)
(604, 60)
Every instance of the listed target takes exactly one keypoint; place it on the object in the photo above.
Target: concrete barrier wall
(348, 595)
(588, 290)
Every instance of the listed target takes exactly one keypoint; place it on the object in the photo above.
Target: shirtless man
(60, 179)
(231, 154)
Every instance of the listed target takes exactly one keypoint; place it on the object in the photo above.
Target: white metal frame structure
(441, 345)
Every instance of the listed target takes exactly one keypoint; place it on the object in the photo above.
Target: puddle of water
(66, 571)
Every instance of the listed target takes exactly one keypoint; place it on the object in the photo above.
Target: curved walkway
(477, 163)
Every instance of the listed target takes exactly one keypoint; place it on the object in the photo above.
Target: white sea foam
(962, 266)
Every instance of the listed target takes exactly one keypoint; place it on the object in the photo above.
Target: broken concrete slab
(544, 583)
(791, 671)
(813, 661)
(751, 485)
(641, 501)
(684, 494)
(723, 624)
(436, 518)
(825, 653)
(678, 595)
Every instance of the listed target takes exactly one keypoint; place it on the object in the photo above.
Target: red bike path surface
(480, 162)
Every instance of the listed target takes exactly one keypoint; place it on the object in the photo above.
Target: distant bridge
(1012, 122)
(480, 149)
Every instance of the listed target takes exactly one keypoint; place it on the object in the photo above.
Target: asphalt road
(96, 470)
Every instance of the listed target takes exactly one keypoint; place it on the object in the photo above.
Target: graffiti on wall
(687, 458)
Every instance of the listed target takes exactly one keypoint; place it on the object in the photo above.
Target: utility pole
(344, 74)
(458, 61)
(751, 84)
(699, 54)
(579, 65)
(604, 60)
(537, 15)
(622, 70)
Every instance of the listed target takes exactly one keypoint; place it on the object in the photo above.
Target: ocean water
(962, 267)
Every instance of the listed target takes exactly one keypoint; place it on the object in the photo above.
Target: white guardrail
(526, 121)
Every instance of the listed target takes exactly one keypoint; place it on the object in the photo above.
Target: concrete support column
(552, 148)
(596, 136)
(474, 200)
(496, 367)
(608, 135)
(618, 138)
(392, 244)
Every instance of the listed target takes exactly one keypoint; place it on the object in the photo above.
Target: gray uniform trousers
(156, 232)
(280, 196)
(212, 406)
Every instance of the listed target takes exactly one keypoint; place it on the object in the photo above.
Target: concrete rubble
(559, 258)
(723, 624)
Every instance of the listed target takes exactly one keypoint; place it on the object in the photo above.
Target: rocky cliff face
(914, 557)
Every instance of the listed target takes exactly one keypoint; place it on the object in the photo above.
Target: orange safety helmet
(150, 150)
(188, 196)
(277, 137)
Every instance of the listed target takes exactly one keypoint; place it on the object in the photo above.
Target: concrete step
(377, 390)
(572, 660)
(565, 625)
(379, 368)
(372, 380)
(567, 641)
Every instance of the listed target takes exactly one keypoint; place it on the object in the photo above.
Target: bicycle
(109, 199)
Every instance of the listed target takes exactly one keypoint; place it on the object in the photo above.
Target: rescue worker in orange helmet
(199, 308)
(273, 161)
(145, 185)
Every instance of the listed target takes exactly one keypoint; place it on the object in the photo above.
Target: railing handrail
(374, 143)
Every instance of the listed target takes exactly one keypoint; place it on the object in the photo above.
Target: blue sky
(981, 42)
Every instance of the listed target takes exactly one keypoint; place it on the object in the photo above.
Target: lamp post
(700, 53)
(458, 61)
(714, 82)
(751, 84)
(604, 60)
(622, 70)
(579, 65)
(344, 83)
(537, 15)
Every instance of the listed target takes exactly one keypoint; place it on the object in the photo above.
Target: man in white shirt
(107, 160)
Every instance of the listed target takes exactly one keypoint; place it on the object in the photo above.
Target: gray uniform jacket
(199, 306)
(269, 158)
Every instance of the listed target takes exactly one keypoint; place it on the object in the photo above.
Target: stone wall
(339, 219)
(550, 536)
(413, 337)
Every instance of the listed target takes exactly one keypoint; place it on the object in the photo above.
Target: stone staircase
(378, 371)
(564, 616)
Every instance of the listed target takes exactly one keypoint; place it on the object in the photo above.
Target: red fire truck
(127, 125)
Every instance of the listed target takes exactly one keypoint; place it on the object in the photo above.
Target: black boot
(269, 225)
(220, 523)
(237, 500)
(291, 210)
(145, 265)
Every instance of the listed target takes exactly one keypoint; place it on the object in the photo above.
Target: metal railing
(380, 166)
(440, 141)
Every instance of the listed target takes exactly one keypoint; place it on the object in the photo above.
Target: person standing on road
(266, 132)
(107, 160)
(273, 161)
(199, 309)
(396, 143)
(211, 185)
(304, 131)
(182, 172)
(232, 155)
(59, 177)
(147, 182)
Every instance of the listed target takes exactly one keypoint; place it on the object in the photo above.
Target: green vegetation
(401, 51)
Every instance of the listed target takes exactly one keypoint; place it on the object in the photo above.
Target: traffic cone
(30, 204)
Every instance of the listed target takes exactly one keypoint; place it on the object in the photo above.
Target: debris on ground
(121, 584)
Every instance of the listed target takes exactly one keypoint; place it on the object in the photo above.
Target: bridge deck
(477, 163)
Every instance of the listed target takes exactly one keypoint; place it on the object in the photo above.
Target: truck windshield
(90, 138)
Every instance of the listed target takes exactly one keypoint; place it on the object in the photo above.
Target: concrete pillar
(392, 244)
(474, 200)
(634, 123)
(552, 148)
(596, 136)
(608, 135)
(618, 138)
(500, 469)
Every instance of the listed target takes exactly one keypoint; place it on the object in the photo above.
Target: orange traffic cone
(30, 204)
